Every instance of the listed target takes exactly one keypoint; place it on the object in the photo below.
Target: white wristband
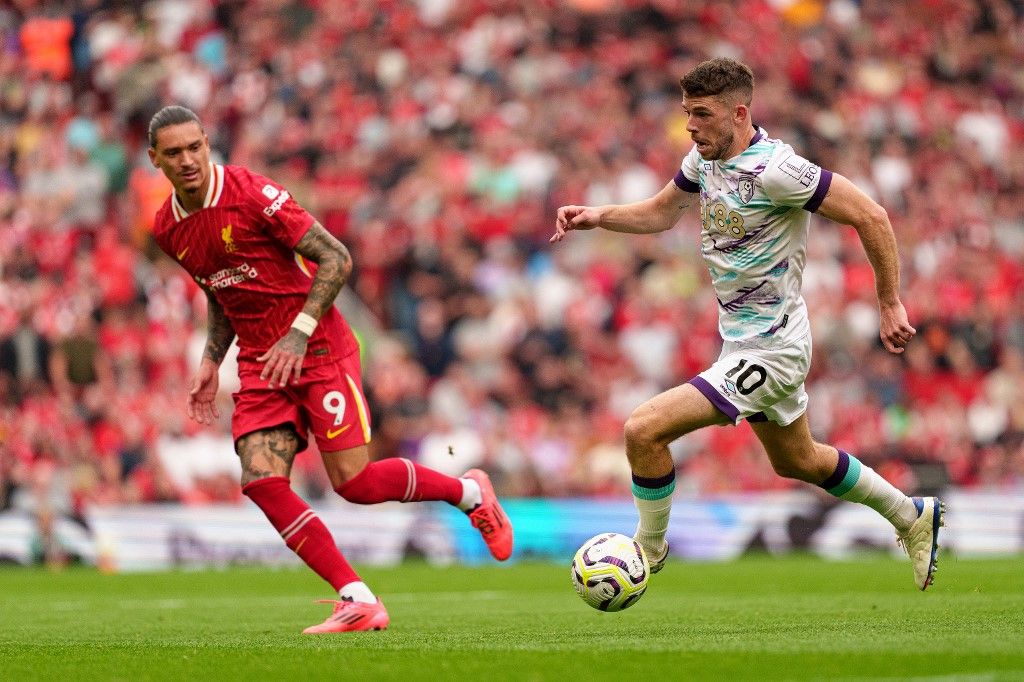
(305, 324)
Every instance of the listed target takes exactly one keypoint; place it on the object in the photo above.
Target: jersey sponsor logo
(229, 277)
(718, 216)
(794, 168)
(746, 188)
(181, 254)
(809, 176)
(334, 433)
(800, 170)
(270, 192)
(229, 242)
(278, 203)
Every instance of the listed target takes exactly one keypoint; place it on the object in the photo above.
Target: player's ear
(152, 157)
(740, 113)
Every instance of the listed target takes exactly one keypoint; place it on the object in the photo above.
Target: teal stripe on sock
(653, 493)
(849, 480)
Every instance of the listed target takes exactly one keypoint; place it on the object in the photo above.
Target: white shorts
(758, 384)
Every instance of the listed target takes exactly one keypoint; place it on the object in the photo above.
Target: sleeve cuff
(819, 193)
(685, 184)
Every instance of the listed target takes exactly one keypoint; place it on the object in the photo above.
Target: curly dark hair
(716, 77)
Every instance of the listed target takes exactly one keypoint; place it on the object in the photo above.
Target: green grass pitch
(759, 618)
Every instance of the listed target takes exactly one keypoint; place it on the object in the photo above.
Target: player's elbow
(878, 216)
(341, 260)
(664, 215)
(872, 218)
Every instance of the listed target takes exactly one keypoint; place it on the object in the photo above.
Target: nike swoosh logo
(181, 254)
(334, 433)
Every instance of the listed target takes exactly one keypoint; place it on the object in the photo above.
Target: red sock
(302, 530)
(398, 479)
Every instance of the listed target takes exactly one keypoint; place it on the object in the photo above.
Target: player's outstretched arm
(334, 265)
(202, 393)
(845, 203)
(656, 214)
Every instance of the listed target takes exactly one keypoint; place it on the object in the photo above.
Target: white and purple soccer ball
(610, 572)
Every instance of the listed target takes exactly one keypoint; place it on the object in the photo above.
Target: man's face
(182, 152)
(710, 124)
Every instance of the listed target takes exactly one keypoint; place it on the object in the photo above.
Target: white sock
(863, 484)
(653, 525)
(471, 495)
(357, 591)
(653, 500)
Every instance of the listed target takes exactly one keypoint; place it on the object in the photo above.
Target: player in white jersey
(756, 195)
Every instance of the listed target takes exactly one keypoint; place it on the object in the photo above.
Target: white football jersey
(755, 209)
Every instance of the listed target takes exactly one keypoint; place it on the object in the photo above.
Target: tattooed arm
(334, 265)
(202, 394)
(219, 332)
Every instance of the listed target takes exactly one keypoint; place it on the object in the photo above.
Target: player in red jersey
(271, 273)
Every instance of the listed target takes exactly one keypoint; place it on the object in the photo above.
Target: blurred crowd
(436, 138)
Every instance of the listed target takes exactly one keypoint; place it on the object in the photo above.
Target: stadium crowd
(436, 138)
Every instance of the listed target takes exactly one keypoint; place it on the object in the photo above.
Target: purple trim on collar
(716, 398)
(819, 193)
(757, 136)
(684, 183)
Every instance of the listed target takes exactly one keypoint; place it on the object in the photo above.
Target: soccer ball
(610, 572)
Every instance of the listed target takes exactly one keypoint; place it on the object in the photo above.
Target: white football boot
(659, 563)
(921, 540)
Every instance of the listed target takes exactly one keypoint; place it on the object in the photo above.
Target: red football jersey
(240, 246)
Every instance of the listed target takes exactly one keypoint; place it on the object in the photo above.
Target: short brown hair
(716, 77)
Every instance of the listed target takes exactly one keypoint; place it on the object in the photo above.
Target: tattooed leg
(266, 462)
(266, 453)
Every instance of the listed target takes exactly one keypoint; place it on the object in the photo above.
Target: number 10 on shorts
(750, 379)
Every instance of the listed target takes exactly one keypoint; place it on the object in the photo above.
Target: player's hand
(894, 327)
(574, 218)
(284, 359)
(202, 394)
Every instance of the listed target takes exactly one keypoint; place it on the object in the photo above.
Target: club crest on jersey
(746, 188)
(229, 242)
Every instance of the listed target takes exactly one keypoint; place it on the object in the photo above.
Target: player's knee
(639, 431)
(341, 472)
(359, 489)
(266, 453)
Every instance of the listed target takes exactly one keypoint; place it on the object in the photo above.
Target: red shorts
(328, 401)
